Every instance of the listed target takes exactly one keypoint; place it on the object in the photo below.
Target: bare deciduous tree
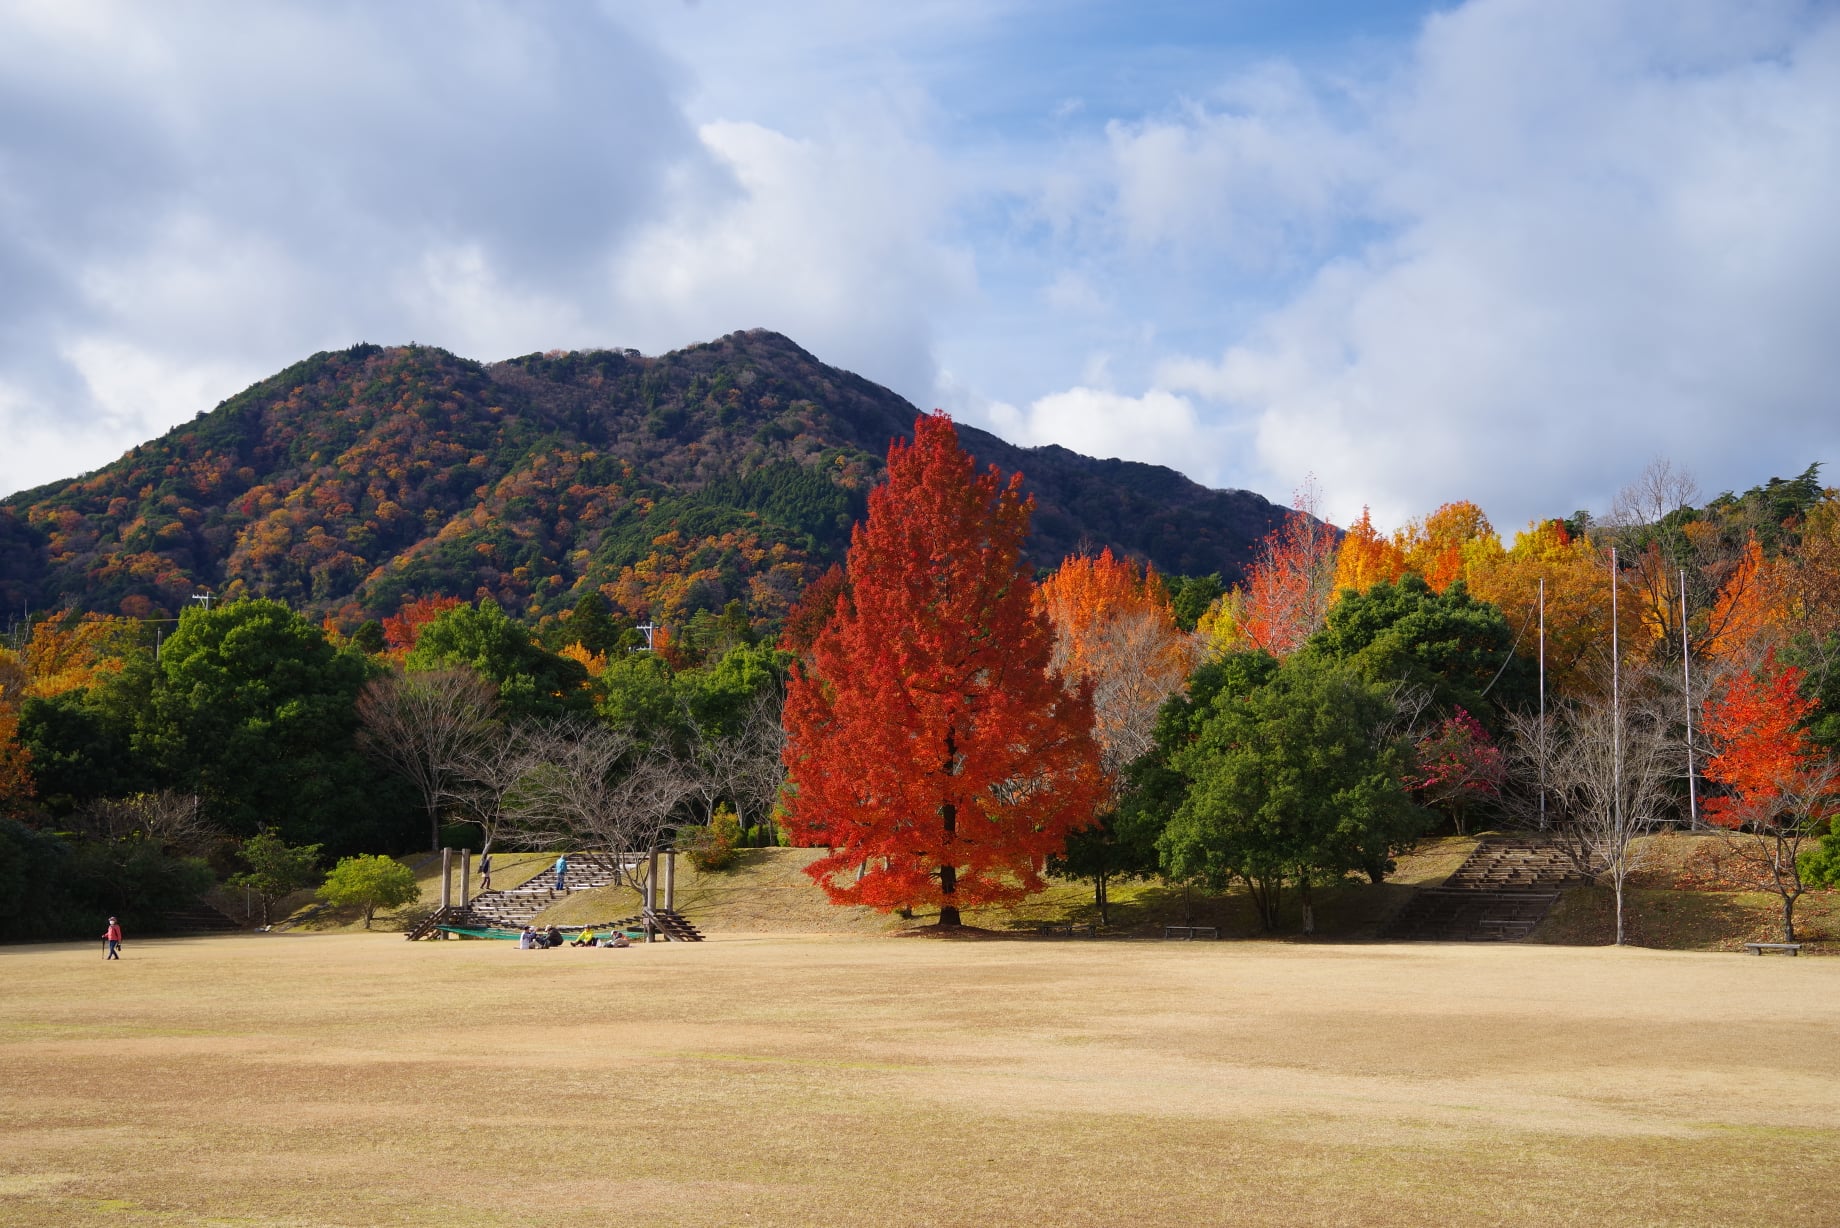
(743, 767)
(586, 785)
(1608, 769)
(426, 724)
(166, 817)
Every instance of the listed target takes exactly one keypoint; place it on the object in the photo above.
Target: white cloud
(831, 240)
(218, 189)
(1612, 239)
(1158, 428)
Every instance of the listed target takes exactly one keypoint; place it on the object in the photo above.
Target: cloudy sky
(1508, 250)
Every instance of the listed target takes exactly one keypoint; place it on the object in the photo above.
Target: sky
(1505, 250)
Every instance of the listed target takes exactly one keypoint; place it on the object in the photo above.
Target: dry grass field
(345, 1079)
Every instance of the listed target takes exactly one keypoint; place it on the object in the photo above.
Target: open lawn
(348, 1079)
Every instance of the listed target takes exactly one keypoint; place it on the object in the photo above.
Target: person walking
(562, 869)
(112, 936)
(485, 871)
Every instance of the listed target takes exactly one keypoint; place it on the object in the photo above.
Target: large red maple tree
(929, 744)
(1779, 790)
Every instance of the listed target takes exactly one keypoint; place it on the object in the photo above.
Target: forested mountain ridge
(725, 471)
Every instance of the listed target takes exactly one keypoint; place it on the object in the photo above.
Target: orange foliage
(16, 787)
(1748, 616)
(1366, 558)
(1577, 577)
(1287, 591)
(1441, 546)
(1113, 629)
(71, 655)
(400, 631)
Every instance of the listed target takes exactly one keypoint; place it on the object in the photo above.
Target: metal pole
(670, 880)
(1616, 713)
(1686, 674)
(1545, 749)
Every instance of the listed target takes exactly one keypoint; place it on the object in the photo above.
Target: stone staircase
(1499, 894)
(516, 907)
(199, 918)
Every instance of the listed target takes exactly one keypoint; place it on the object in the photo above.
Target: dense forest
(725, 472)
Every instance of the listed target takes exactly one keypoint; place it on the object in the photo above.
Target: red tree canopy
(1764, 760)
(928, 743)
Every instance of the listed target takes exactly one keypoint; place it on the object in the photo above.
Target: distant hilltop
(728, 471)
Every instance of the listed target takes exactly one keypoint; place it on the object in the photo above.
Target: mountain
(726, 471)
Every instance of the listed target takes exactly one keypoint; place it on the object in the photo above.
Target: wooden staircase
(1500, 893)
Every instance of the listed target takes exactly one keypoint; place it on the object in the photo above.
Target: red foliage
(1765, 759)
(400, 631)
(1458, 765)
(927, 742)
(814, 610)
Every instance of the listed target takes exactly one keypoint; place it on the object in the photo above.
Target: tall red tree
(929, 744)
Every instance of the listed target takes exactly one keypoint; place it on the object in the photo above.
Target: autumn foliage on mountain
(731, 471)
(930, 745)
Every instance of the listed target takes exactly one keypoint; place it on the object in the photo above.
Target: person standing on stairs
(562, 869)
(485, 871)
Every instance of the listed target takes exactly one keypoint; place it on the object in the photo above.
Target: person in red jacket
(112, 936)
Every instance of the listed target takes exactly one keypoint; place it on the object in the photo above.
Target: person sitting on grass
(619, 939)
(585, 938)
(527, 940)
(552, 937)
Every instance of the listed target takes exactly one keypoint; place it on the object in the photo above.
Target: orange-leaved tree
(1288, 589)
(1748, 617)
(403, 629)
(16, 784)
(1365, 558)
(1779, 789)
(929, 744)
(1113, 627)
(1442, 546)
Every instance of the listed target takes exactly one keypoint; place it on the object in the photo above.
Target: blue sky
(1507, 250)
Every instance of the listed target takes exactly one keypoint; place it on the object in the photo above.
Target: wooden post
(670, 880)
(447, 882)
(466, 877)
(651, 891)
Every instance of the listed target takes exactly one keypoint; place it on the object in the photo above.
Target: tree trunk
(1619, 909)
(1788, 917)
(434, 825)
(948, 817)
(1309, 912)
(1101, 898)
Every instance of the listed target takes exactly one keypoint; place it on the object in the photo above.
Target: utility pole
(1616, 718)
(1686, 675)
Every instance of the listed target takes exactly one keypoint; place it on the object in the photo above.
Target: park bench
(1070, 928)
(1787, 948)
(1191, 931)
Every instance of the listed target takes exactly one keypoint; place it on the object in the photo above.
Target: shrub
(370, 882)
(713, 847)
